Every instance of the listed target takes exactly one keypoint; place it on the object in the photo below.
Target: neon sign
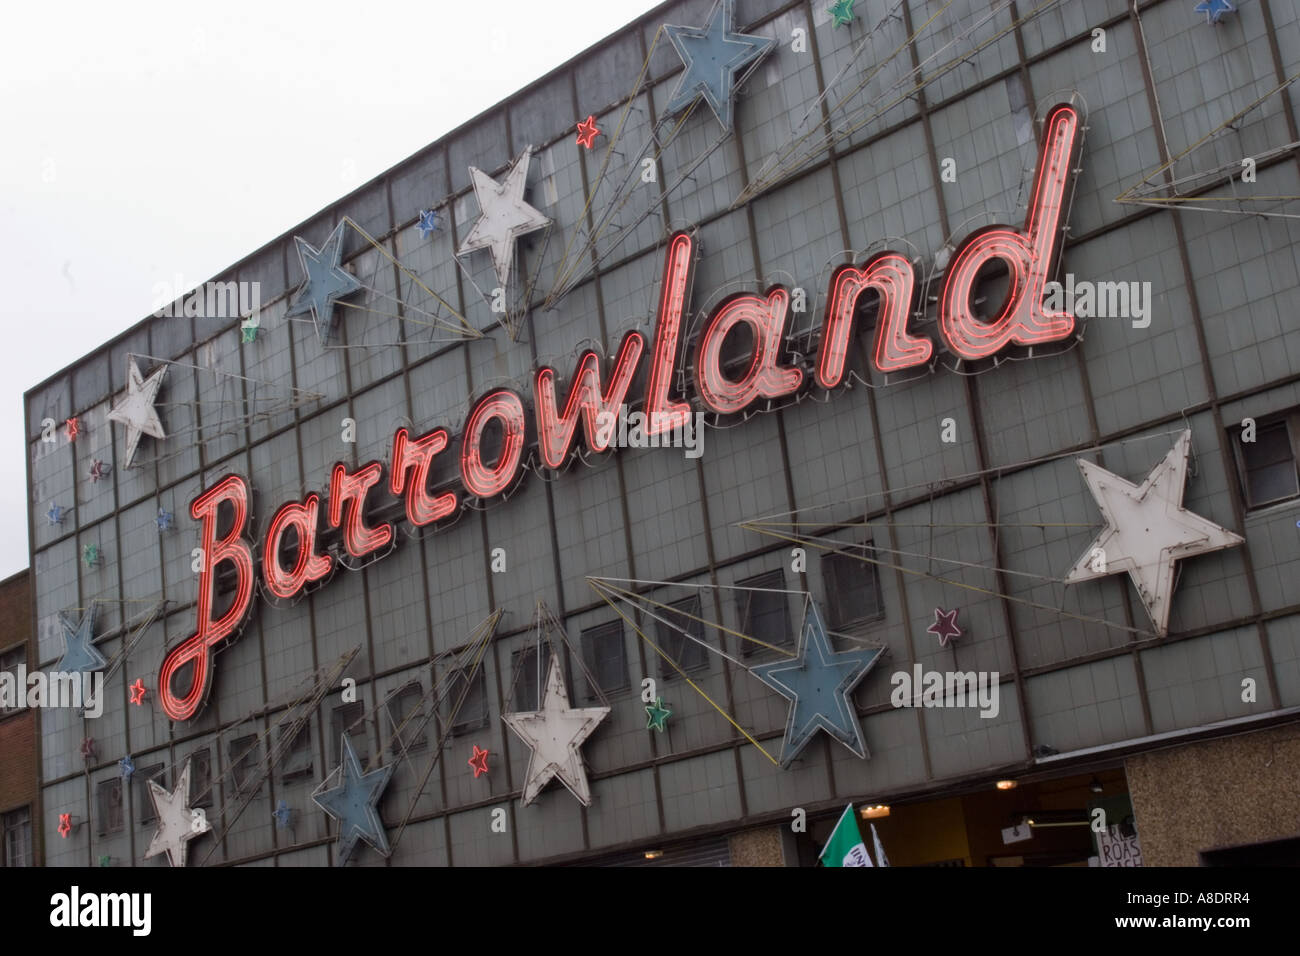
(552, 436)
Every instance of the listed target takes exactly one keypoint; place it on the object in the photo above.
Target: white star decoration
(1147, 530)
(135, 410)
(177, 823)
(504, 216)
(555, 735)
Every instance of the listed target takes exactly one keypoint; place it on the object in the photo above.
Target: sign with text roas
(305, 540)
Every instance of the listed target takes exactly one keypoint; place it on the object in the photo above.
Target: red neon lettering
(661, 414)
(308, 566)
(1023, 319)
(417, 454)
(763, 379)
(481, 479)
(555, 432)
(196, 649)
(894, 280)
(351, 489)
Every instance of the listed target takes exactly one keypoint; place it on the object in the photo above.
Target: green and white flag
(845, 847)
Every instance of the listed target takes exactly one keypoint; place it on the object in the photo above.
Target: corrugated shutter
(712, 851)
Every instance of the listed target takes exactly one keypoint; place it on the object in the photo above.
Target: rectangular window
(108, 806)
(143, 801)
(17, 836)
(10, 661)
(406, 711)
(685, 617)
(350, 718)
(852, 588)
(473, 713)
(605, 653)
(201, 777)
(297, 762)
(529, 677)
(764, 612)
(1267, 465)
(244, 759)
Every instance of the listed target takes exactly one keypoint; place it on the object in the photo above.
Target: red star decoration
(587, 132)
(945, 626)
(70, 428)
(88, 747)
(479, 761)
(65, 824)
(97, 470)
(137, 692)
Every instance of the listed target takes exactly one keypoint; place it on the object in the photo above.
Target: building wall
(19, 783)
(1215, 794)
(1006, 493)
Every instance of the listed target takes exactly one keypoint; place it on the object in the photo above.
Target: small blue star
(714, 57)
(80, 656)
(353, 803)
(55, 514)
(283, 815)
(1214, 9)
(819, 684)
(127, 766)
(164, 519)
(428, 223)
(326, 282)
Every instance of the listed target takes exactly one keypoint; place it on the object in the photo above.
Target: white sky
(146, 139)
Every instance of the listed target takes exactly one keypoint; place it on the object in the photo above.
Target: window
(605, 653)
(765, 612)
(17, 836)
(244, 761)
(852, 587)
(10, 661)
(473, 713)
(406, 711)
(350, 718)
(108, 806)
(143, 800)
(689, 655)
(200, 777)
(297, 761)
(530, 677)
(1267, 465)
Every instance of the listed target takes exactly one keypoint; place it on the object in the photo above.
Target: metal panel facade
(1080, 667)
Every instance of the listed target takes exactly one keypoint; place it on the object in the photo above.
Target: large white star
(135, 410)
(555, 735)
(177, 823)
(1147, 530)
(504, 216)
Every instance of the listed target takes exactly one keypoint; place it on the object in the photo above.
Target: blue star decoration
(164, 519)
(428, 223)
(80, 656)
(127, 766)
(283, 815)
(1214, 9)
(326, 282)
(714, 56)
(55, 514)
(354, 801)
(819, 683)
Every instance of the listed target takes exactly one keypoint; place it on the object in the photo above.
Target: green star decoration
(105, 861)
(658, 715)
(842, 12)
(249, 333)
(90, 554)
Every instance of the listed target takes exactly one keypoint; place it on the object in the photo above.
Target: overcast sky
(146, 139)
